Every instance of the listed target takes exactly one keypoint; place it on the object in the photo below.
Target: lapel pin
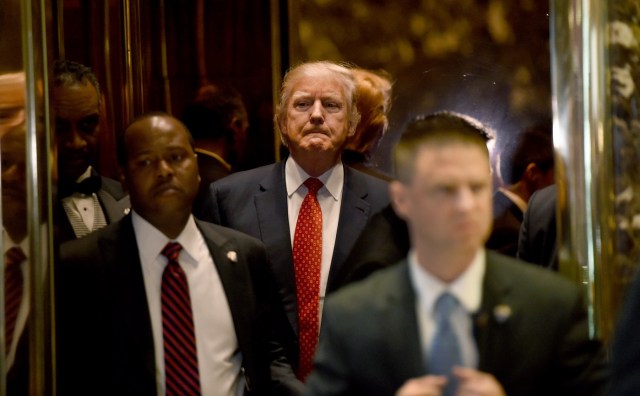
(232, 256)
(127, 210)
(502, 313)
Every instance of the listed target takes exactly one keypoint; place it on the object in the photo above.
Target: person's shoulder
(113, 187)
(546, 196)
(89, 244)
(372, 189)
(372, 290)
(242, 177)
(529, 278)
(211, 230)
(372, 182)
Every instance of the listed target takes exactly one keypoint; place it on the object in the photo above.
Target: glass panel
(13, 186)
(26, 337)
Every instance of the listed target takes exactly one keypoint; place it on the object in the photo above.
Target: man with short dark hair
(454, 318)
(159, 302)
(525, 167)
(88, 201)
(218, 122)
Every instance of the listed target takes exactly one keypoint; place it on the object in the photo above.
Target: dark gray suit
(507, 218)
(369, 342)
(255, 202)
(538, 243)
(104, 328)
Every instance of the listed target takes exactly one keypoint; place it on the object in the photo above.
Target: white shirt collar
(515, 198)
(8, 243)
(151, 241)
(333, 179)
(86, 174)
(467, 288)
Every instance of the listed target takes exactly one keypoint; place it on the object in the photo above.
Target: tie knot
(15, 256)
(445, 305)
(171, 251)
(313, 185)
(88, 186)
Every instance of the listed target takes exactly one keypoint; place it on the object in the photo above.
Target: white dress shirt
(329, 198)
(82, 204)
(23, 311)
(467, 288)
(219, 357)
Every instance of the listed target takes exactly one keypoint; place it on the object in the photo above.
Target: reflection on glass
(12, 92)
(15, 247)
(488, 59)
(15, 241)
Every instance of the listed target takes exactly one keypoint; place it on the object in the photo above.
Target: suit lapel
(402, 327)
(493, 323)
(113, 208)
(130, 307)
(235, 282)
(273, 221)
(354, 214)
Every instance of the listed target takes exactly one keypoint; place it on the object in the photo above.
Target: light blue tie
(445, 347)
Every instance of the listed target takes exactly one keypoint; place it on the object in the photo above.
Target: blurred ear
(398, 196)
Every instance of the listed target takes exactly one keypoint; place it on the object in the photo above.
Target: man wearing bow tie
(454, 318)
(87, 200)
(160, 303)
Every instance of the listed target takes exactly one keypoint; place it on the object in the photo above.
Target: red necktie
(13, 291)
(180, 355)
(307, 256)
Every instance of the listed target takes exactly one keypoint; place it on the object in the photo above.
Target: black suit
(104, 328)
(369, 341)
(113, 200)
(210, 168)
(537, 242)
(255, 202)
(389, 235)
(507, 218)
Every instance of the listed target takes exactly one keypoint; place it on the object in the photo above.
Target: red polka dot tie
(307, 256)
(180, 354)
(14, 284)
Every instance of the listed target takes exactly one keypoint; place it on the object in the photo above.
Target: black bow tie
(88, 186)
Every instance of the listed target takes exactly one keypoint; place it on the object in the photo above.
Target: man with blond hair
(308, 209)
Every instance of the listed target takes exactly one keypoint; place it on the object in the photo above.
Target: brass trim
(128, 63)
(276, 67)
(163, 55)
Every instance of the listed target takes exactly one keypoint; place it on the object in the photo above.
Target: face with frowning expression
(317, 117)
(160, 171)
(76, 109)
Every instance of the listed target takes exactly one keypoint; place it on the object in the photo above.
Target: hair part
(438, 129)
(340, 72)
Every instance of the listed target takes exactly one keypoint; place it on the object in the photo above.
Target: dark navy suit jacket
(255, 202)
(370, 342)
